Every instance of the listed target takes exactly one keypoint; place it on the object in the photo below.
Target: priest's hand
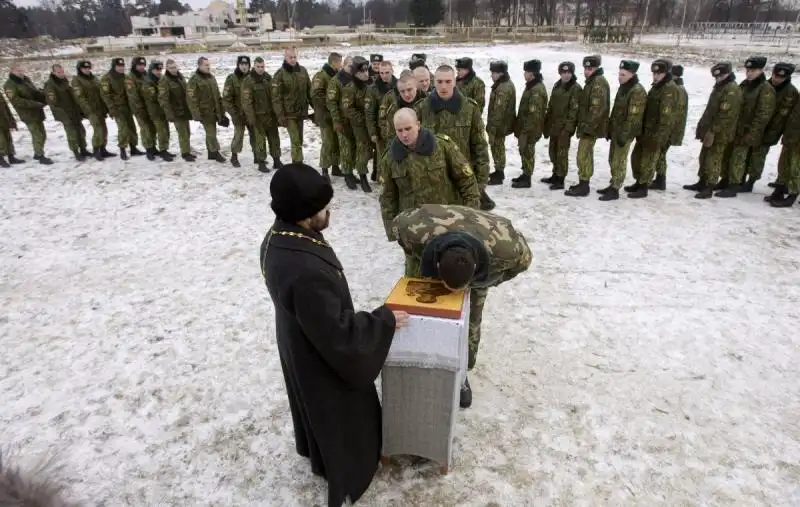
(400, 319)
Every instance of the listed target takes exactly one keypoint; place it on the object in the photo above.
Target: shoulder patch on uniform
(467, 169)
(471, 100)
(444, 136)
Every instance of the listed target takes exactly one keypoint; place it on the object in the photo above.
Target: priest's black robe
(330, 355)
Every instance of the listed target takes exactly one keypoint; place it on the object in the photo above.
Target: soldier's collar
(425, 146)
(467, 78)
(329, 70)
(452, 105)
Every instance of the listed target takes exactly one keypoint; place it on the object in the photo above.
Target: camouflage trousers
(497, 144)
(38, 136)
(238, 137)
(746, 161)
(6, 143)
(184, 136)
(76, 135)
(266, 132)
(161, 129)
(99, 131)
(661, 167)
(559, 155)
(711, 161)
(346, 148)
(586, 157)
(618, 162)
(527, 152)
(147, 130)
(363, 148)
(212, 144)
(645, 162)
(295, 128)
(329, 152)
(126, 131)
(789, 168)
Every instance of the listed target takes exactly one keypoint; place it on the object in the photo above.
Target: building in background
(218, 17)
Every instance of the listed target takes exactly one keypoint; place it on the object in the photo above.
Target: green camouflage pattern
(594, 106)
(7, 123)
(38, 136)
(618, 162)
(329, 151)
(585, 157)
(155, 112)
(115, 96)
(473, 87)
(86, 90)
(789, 161)
(354, 98)
(232, 103)
(662, 114)
(721, 113)
(258, 111)
(27, 100)
(344, 133)
(529, 124)
(6, 142)
(67, 111)
(172, 99)
(682, 106)
(501, 118)
(204, 99)
(390, 104)
(786, 96)
(291, 96)
(758, 107)
(625, 121)
(560, 123)
(134, 85)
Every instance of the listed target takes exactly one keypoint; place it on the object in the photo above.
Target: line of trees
(68, 19)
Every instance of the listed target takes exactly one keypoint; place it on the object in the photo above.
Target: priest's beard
(318, 223)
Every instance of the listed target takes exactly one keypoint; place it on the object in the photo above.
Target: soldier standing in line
(786, 96)
(29, 103)
(156, 113)
(624, 125)
(405, 94)
(354, 97)
(592, 122)
(86, 88)
(658, 126)
(717, 128)
(500, 118)
(423, 77)
(745, 156)
(232, 103)
(375, 66)
(172, 99)
(329, 152)
(419, 60)
(561, 121)
(205, 103)
(385, 83)
(333, 99)
(469, 84)
(112, 89)
(446, 111)
(466, 249)
(135, 82)
(67, 111)
(291, 96)
(678, 130)
(7, 124)
(530, 120)
(259, 112)
(789, 162)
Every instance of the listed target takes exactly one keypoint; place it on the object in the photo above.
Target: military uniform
(434, 171)
(390, 104)
(329, 152)
(291, 96)
(471, 85)
(29, 103)
(149, 94)
(529, 125)
(560, 123)
(354, 97)
(232, 103)
(112, 89)
(67, 111)
(7, 124)
(205, 104)
(375, 94)
(257, 106)
(172, 99)
(86, 89)
(624, 125)
(786, 96)
(678, 128)
(717, 128)
(135, 82)
(344, 134)
(592, 123)
(500, 119)
(789, 163)
(658, 126)
(374, 75)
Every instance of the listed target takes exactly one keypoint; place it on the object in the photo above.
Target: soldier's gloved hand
(339, 127)
(708, 140)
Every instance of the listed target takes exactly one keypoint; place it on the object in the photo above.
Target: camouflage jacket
(87, 92)
(112, 89)
(625, 122)
(172, 97)
(532, 110)
(473, 87)
(682, 109)
(134, 87)
(7, 120)
(791, 131)
(319, 89)
(785, 98)
(594, 107)
(232, 96)
(502, 251)
(291, 92)
(460, 119)
(28, 100)
(502, 108)
(202, 95)
(377, 91)
(722, 111)
(562, 110)
(391, 102)
(333, 97)
(661, 113)
(434, 171)
(61, 100)
(257, 103)
(354, 100)
(150, 96)
(758, 105)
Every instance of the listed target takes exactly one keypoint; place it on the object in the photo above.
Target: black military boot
(262, 166)
(728, 191)
(610, 194)
(122, 154)
(3, 162)
(631, 188)
(14, 160)
(550, 179)
(497, 177)
(217, 156)
(748, 185)
(326, 175)
(773, 184)
(579, 190)
(151, 154)
(86, 153)
(106, 153)
(777, 193)
(521, 181)
(165, 155)
(98, 155)
(786, 202)
(79, 157)
(604, 191)
(704, 192)
(336, 171)
(135, 152)
(188, 157)
(276, 162)
(374, 175)
(44, 160)
(365, 184)
(695, 187)
(639, 193)
(465, 397)
(557, 183)
(721, 184)
(351, 181)
(487, 204)
(235, 160)
(660, 183)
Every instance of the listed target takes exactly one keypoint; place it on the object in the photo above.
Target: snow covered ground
(649, 356)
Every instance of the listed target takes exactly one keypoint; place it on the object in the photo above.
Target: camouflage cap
(566, 67)
(464, 63)
(592, 61)
(534, 66)
(116, 62)
(498, 66)
(375, 57)
(419, 56)
(721, 69)
(629, 65)
(783, 69)
(755, 62)
(677, 70)
(243, 59)
(660, 66)
(156, 65)
(138, 60)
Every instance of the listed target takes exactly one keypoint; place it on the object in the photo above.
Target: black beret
(592, 61)
(464, 63)
(721, 68)
(117, 62)
(138, 60)
(677, 70)
(419, 56)
(360, 64)
(298, 192)
(84, 64)
(498, 67)
(156, 65)
(534, 66)
(243, 59)
(629, 65)
(375, 57)
(414, 64)
(566, 67)
(755, 62)
(783, 69)
(661, 66)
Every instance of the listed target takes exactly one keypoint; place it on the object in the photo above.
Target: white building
(219, 16)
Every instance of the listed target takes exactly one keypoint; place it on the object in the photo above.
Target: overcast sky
(196, 4)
